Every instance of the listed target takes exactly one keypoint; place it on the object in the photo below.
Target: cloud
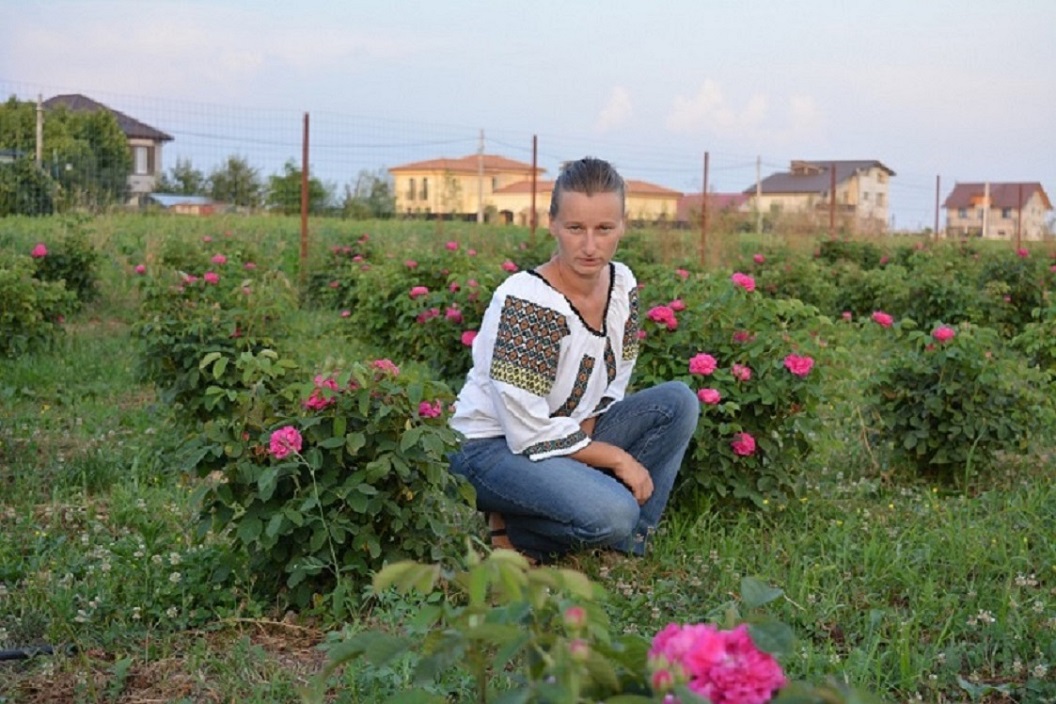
(616, 112)
(709, 111)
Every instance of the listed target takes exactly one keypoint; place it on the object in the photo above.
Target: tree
(25, 189)
(183, 179)
(284, 192)
(371, 197)
(236, 183)
(85, 153)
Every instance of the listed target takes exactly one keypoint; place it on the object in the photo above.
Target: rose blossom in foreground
(141, 269)
(710, 397)
(39, 251)
(430, 410)
(386, 365)
(211, 277)
(452, 245)
(219, 259)
(417, 291)
(702, 364)
(318, 400)
(882, 319)
(663, 314)
(743, 280)
(283, 441)
(943, 333)
(677, 305)
(743, 444)
(468, 336)
(800, 366)
(758, 258)
(741, 372)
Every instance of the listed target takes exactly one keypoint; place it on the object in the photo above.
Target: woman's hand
(636, 477)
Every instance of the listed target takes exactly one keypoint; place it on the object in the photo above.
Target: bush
(73, 261)
(951, 406)
(362, 479)
(31, 310)
(1038, 339)
(25, 189)
(194, 330)
(757, 386)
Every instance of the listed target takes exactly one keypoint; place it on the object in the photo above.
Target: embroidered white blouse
(539, 369)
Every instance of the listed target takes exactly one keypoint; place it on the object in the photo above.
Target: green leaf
(332, 442)
(209, 359)
(755, 593)
(266, 482)
(219, 367)
(773, 637)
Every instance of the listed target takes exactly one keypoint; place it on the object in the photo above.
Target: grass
(919, 592)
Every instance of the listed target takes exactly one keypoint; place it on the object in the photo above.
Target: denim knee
(609, 523)
(684, 407)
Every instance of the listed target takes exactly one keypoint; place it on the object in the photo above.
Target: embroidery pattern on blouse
(610, 361)
(548, 446)
(579, 387)
(527, 345)
(630, 328)
(602, 405)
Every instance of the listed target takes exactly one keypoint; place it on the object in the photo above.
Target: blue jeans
(558, 504)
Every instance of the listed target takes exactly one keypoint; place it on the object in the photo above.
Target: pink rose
(452, 246)
(453, 287)
(943, 333)
(219, 259)
(575, 617)
(283, 441)
(453, 314)
(882, 319)
(430, 410)
(468, 336)
(758, 258)
(211, 277)
(411, 264)
(509, 266)
(249, 266)
(39, 252)
(471, 252)
(664, 315)
(334, 284)
(386, 366)
(743, 280)
(677, 305)
(710, 397)
(682, 274)
(318, 400)
(427, 315)
(141, 269)
(743, 444)
(207, 239)
(800, 366)
(741, 372)
(847, 316)
(1022, 253)
(702, 364)
(346, 313)
(742, 336)
(417, 291)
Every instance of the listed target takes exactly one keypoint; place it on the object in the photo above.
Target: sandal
(497, 531)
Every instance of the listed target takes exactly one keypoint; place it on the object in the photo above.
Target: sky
(959, 90)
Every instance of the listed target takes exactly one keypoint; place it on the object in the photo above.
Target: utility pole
(986, 208)
(759, 195)
(40, 130)
(1019, 218)
(532, 219)
(832, 200)
(304, 202)
(938, 180)
(480, 179)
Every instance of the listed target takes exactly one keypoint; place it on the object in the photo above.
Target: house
(185, 205)
(144, 141)
(456, 188)
(862, 193)
(502, 189)
(1015, 210)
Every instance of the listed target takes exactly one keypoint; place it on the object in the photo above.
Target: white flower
(172, 612)
(175, 577)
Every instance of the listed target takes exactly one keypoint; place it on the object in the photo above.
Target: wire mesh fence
(347, 153)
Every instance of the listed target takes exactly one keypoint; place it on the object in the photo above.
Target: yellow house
(502, 190)
(862, 192)
(456, 188)
(1015, 210)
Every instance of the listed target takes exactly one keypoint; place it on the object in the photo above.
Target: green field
(916, 589)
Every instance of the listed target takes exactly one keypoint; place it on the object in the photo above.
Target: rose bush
(31, 310)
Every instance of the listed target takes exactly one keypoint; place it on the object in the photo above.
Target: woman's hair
(587, 175)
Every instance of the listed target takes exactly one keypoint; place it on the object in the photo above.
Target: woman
(559, 457)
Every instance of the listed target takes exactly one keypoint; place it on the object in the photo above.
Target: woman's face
(587, 230)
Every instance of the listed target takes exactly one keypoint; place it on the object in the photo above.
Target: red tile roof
(813, 176)
(133, 128)
(541, 186)
(469, 164)
(1002, 195)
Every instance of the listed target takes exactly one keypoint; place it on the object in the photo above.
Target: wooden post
(832, 200)
(938, 178)
(704, 216)
(532, 220)
(1019, 218)
(304, 202)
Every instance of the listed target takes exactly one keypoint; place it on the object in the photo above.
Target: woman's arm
(605, 456)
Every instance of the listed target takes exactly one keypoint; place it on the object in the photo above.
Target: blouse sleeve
(522, 370)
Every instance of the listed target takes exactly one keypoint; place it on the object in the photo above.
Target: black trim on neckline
(608, 301)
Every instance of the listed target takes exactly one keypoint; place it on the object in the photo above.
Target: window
(962, 213)
(880, 199)
(410, 189)
(865, 196)
(425, 189)
(1006, 213)
(141, 160)
(494, 183)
